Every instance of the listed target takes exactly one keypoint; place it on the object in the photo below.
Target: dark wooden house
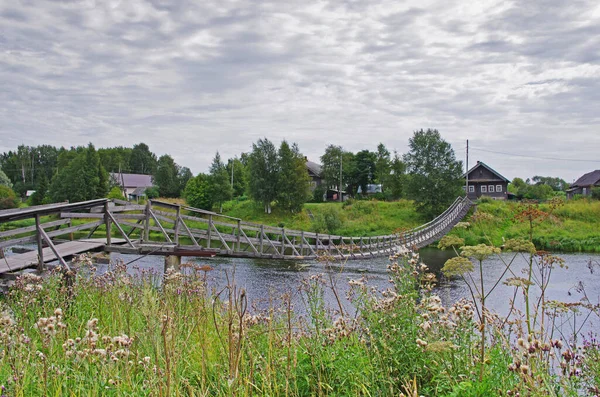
(585, 184)
(485, 181)
(314, 172)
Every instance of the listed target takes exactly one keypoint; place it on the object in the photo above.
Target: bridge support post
(209, 235)
(38, 238)
(177, 220)
(146, 234)
(107, 222)
(172, 261)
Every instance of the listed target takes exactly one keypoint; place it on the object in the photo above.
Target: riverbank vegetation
(117, 334)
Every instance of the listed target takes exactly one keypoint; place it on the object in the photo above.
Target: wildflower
(479, 252)
(450, 241)
(92, 324)
(457, 266)
(519, 245)
(517, 282)
(421, 342)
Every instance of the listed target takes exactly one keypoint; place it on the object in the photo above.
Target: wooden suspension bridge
(160, 228)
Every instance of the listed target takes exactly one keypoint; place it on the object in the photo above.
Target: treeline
(82, 173)
(538, 188)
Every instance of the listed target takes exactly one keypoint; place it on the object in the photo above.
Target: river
(265, 281)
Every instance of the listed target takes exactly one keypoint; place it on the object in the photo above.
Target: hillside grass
(573, 226)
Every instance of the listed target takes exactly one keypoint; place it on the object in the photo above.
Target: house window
(499, 188)
(491, 188)
(471, 189)
(483, 189)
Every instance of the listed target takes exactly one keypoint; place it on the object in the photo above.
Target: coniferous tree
(382, 166)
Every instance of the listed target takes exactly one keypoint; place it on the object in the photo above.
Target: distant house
(314, 172)
(584, 185)
(133, 186)
(371, 189)
(485, 181)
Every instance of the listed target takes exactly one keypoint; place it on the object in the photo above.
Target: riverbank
(573, 226)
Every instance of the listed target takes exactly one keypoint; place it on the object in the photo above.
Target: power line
(535, 157)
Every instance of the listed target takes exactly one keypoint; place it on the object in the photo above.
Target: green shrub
(152, 192)
(8, 198)
(596, 193)
(328, 221)
(318, 193)
(115, 193)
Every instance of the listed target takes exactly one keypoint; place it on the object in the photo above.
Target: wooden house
(314, 172)
(133, 186)
(585, 184)
(483, 180)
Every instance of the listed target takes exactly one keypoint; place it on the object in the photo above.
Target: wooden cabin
(485, 181)
(584, 185)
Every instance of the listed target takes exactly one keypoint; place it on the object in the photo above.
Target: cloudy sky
(519, 79)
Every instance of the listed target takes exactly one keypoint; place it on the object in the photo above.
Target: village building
(314, 172)
(584, 185)
(133, 186)
(483, 180)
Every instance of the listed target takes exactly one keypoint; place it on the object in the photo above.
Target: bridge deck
(22, 261)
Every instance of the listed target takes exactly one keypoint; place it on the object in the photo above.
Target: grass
(117, 334)
(570, 227)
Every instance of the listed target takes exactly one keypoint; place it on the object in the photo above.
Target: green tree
(262, 173)
(82, 179)
(115, 193)
(382, 166)
(435, 174)
(39, 196)
(396, 179)
(363, 170)
(557, 184)
(116, 159)
(165, 177)
(183, 176)
(142, 160)
(220, 185)
(5, 180)
(293, 186)
(8, 198)
(197, 192)
(240, 184)
(331, 168)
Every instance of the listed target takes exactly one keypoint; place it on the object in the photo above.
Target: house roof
(482, 164)
(591, 178)
(131, 180)
(138, 192)
(314, 167)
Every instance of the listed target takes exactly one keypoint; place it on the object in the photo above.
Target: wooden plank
(22, 261)
(28, 229)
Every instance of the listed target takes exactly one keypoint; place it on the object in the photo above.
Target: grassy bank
(572, 226)
(115, 334)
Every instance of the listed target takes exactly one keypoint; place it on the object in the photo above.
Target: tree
(183, 177)
(197, 192)
(262, 173)
(8, 198)
(5, 180)
(293, 186)
(239, 176)
(382, 166)
(82, 179)
(142, 160)
(396, 179)
(220, 185)
(165, 177)
(435, 174)
(557, 184)
(39, 196)
(363, 170)
(331, 167)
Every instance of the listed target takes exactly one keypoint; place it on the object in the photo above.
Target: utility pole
(340, 187)
(232, 162)
(467, 172)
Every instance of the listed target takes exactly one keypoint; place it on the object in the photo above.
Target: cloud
(190, 78)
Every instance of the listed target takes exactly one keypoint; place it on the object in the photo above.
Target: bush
(596, 193)
(328, 221)
(318, 194)
(152, 192)
(115, 193)
(8, 198)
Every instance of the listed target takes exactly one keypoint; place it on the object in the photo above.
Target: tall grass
(118, 334)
